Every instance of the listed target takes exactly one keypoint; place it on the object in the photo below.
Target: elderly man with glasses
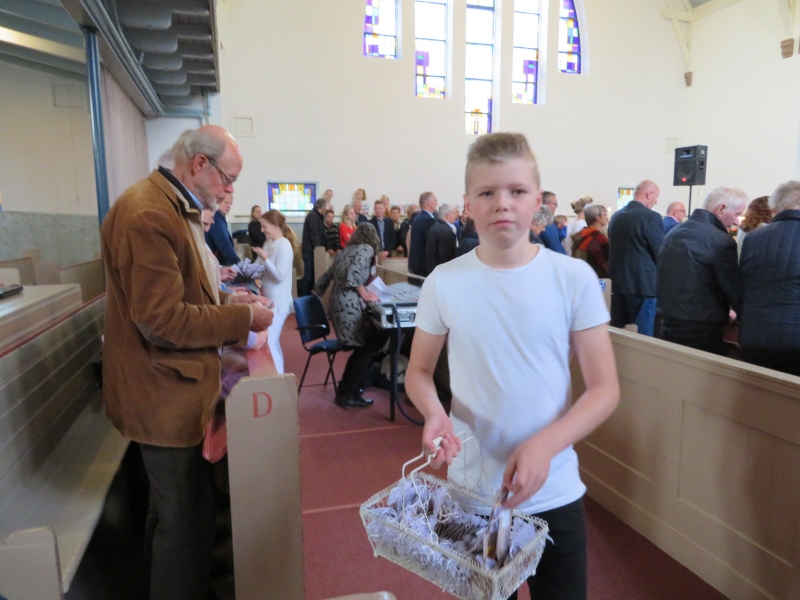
(549, 236)
(165, 321)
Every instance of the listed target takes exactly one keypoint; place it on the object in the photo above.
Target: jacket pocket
(188, 369)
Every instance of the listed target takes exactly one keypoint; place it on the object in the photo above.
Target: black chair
(312, 323)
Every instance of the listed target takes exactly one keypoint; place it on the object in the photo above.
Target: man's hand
(527, 471)
(331, 252)
(239, 297)
(440, 425)
(262, 318)
(384, 254)
(227, 274)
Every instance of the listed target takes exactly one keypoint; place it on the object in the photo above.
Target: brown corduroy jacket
(163, 327)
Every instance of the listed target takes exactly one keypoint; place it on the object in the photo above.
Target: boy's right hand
(440, 425)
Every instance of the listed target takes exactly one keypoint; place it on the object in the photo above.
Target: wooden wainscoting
(702, 457)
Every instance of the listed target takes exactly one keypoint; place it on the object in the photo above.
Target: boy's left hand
(527, 471)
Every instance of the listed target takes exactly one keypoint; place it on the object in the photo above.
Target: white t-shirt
(572, 228)
(508, 348)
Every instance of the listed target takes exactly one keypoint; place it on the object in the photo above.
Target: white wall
(46, 161)
(744, 103)
(323, 112)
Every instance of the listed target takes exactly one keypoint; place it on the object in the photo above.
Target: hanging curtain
(126, 141)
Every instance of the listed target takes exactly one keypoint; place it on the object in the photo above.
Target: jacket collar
(179, 196)
(787, 215)
(703, 216)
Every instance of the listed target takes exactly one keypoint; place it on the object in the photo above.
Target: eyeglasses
(226, 179)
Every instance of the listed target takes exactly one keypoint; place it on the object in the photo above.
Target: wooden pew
(24, 266)
(89, 275)
(59, 456)
(702, 457)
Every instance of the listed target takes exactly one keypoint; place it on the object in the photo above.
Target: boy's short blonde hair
(498, 148)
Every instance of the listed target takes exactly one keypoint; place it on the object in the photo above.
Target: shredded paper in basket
(420, 524)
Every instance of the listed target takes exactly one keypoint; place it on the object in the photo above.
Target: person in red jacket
(590, 243)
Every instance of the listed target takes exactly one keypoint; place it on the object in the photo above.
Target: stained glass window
(292, 199)
(430, 23)
(525, 65)
(479, 66)
(380, 29)
(624, 196)
(569, 38)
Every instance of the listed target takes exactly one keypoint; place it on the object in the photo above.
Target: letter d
(261, 407)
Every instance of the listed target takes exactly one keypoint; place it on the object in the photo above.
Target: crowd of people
(181, 301)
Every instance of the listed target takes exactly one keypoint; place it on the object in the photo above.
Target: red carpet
(347, 456)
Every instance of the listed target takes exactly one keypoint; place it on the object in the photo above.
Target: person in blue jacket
(219, 238)
(549, 236)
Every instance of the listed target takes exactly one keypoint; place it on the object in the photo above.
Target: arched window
(525, 60)
(430, 57)
(479, 66)
(380, 29)
(569, 38)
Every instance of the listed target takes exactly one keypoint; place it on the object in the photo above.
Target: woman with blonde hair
(348, 225)
(578, 224)
(276, 282)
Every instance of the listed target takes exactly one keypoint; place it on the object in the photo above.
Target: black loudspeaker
(690, 165)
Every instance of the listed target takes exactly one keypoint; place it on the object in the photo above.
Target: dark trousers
(783, 361)
(180, 522)
(358, 364)
(306, 285)
(639, 310)
(694, 334)
(561, 574)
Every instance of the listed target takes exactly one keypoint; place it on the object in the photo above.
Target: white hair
(543, 217)
(731, 197)
(199, 141)
(442, 211)
(786, 197)
(592, 212)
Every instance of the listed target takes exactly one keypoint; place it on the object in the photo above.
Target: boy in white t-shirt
(509, 311)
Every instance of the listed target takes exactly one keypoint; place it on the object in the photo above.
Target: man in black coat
(698, 274)
(769, 321)
(442, 244)
(385, 228)
(417, 250)
(635, 235)
(313, 236)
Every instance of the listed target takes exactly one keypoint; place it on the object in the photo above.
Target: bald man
(165, 321)
(676, 213)
(635, 235)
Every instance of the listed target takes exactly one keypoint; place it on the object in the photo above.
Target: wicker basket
(464, 578)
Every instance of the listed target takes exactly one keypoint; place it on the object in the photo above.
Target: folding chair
(312, 323)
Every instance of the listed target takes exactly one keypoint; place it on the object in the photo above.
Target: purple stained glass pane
(569, 38)
(529, 67)
(422, 58)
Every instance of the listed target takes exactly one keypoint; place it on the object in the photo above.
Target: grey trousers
(180, 522)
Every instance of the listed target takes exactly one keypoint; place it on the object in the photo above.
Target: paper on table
(381, 290)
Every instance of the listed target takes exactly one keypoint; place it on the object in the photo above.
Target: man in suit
(676, 213)
(549, 236)
(442, 243)
(313, 235)
(385, 228)
(358, 206)
(635, 235)
(165, 321)
(417, 251)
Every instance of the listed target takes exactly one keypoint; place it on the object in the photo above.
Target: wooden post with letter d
(264, 461)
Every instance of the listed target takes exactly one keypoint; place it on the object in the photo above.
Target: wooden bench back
(24, 266)
(89, 275)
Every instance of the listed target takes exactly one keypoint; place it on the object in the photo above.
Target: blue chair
(312, 323)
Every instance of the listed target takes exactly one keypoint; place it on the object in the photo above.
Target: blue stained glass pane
(480, 26)
(525, 64)
(430, 20)
(569, 38)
